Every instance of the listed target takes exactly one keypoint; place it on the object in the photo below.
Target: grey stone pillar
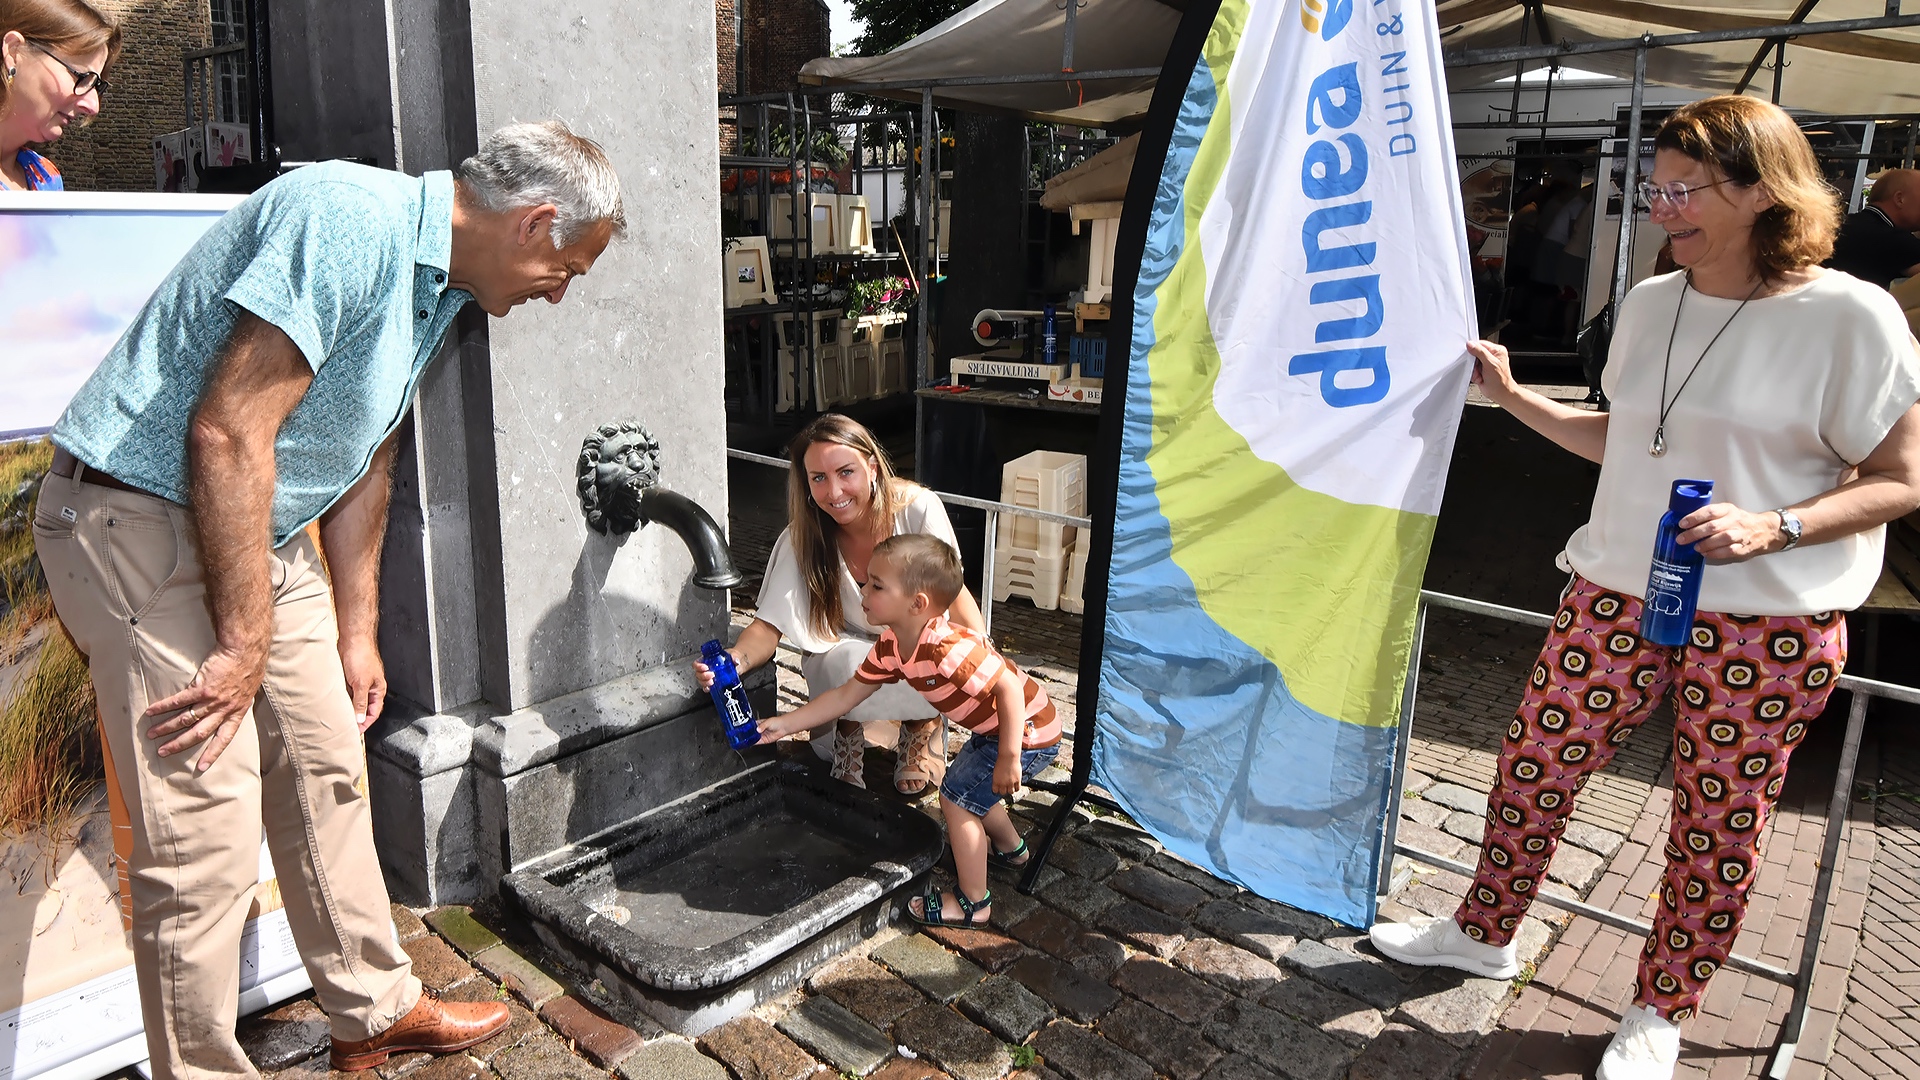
(540, 669)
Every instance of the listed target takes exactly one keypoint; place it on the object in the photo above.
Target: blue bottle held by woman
(736, 712)
(1673, 582)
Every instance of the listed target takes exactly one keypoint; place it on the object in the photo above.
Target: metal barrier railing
(991, 539)
(1801, 977)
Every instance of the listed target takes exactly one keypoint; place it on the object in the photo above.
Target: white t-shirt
(785, 602)
(1800, 388)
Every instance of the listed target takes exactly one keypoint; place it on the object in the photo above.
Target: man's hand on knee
(212, 707)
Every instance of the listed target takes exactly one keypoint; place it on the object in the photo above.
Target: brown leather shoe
(432, 1025)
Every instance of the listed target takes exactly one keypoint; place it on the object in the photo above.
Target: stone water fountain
(701, 908)
(545, 744)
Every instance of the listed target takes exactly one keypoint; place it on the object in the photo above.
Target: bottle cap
(1689, 495)
(710, 650)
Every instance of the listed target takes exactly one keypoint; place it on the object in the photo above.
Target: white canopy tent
(1002, 38)
(1845, 73)
(1842, 73)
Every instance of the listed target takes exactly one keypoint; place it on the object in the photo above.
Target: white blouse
(785, 602)
(1799, 388)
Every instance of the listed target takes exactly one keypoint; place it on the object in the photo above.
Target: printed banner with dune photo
(75, 269)
(1294, 381)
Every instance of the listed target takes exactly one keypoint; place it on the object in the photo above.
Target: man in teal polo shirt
(258, 393)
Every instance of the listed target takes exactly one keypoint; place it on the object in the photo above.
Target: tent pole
(1066, 45)
(1780, 67)
(922, 362)
(1629, 179)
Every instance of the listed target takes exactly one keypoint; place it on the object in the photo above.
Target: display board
(75, 270)
(1294, 371)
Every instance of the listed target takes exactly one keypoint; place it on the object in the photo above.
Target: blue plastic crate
(1089, 353)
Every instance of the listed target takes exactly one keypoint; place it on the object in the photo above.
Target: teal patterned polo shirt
(351, 263)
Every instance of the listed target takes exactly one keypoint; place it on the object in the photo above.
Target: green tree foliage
(892, 23)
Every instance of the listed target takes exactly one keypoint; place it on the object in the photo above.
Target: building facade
(115, 153)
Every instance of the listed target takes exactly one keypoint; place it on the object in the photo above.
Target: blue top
(351, 263)
(41, 175)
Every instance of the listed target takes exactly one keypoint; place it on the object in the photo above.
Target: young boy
(911, 580)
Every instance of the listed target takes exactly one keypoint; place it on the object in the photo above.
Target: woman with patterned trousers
(1793, 388)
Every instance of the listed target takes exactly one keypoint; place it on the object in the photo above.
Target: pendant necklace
(1658, 448)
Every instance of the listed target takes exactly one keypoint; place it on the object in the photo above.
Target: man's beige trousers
(124, 570)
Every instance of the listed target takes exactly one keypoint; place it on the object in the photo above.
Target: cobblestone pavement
(1128, 963)
(1879, 1027)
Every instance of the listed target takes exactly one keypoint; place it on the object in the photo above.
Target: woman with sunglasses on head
(51, 55)
(1793, 388)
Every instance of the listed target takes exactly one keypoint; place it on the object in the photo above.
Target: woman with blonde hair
(52, 54)
(1793, 389)
(842, 499)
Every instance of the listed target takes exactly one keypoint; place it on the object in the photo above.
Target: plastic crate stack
(1032, 558)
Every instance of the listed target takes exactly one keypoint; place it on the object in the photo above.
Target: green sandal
(1008, 858)
(930, 904)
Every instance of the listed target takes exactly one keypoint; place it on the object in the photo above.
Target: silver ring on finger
(192, 715)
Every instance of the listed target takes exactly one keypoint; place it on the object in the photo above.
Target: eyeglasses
(1674, 193)
(84, 82)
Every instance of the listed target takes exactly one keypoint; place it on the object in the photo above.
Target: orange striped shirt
(955, 669)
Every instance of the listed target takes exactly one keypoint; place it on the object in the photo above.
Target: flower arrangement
(879, 296)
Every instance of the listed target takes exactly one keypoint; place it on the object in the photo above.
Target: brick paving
(1130, 964)
(1878, 1032)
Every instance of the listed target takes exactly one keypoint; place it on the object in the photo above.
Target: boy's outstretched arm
(819, 712)
(1010, 697)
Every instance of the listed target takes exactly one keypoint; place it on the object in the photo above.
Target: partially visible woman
(52, 55)
(842, 499)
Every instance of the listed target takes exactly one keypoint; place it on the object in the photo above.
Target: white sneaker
(1645, 1048)
(1441, 943)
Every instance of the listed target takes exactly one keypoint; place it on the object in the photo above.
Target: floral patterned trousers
(1747, 686)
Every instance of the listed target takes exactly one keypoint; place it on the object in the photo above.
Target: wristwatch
(1790, 525)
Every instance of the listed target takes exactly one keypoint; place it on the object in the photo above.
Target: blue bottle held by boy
(736, 712)
(1673, 582)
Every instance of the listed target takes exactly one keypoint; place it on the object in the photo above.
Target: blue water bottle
(1673, 582)
(730, 697)
(1049, 337)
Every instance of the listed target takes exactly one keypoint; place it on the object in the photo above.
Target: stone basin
(703, 908)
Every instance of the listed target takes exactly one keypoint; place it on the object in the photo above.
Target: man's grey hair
(534, 164)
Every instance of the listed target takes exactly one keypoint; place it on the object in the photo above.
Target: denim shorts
(969, 782)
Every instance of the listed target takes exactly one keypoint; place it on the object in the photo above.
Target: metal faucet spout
(713, 566)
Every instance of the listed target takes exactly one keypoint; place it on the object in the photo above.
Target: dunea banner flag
(1294, 382)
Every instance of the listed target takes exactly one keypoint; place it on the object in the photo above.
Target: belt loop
(79, 470)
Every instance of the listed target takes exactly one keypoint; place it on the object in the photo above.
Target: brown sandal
(916, 764)
(850, 752)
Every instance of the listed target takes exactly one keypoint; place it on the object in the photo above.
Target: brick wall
(781, 35)
(116, 152)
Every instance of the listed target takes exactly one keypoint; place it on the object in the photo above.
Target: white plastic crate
(1043, 480)
(861, 374)
(830, 376)
(1105, 218)
(837, 329)
(890, 367)
(1071, 593)
(1037, 577)
(747, 272)
(826, 216)
(853, 228)
(787, 383)
(943, 219)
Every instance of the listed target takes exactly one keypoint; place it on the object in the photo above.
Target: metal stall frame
(923, 134)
